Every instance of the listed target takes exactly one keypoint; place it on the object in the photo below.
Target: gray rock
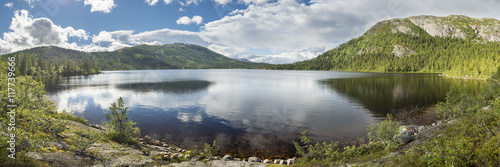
(237, 159)
(217, 163)
(402, 51)
(403, 138)
(34, 155)
(166, 157)
(267, 161)
(217, 157)
(187, 156)
(227, 158)
(421, 128)
(279, 161)
(254, 159)
(290, 161)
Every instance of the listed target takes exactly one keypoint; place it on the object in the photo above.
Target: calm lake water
(251, 112)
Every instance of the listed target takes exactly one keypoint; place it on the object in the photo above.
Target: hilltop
(454, 45)
(169, 56)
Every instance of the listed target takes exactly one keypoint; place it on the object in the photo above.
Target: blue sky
(272, 31)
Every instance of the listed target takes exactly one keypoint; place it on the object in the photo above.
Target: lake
(253, 112)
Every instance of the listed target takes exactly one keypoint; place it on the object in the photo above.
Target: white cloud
(168, 1)
(26, 32)
(151, 2)
(110, 41)
(31, 1)
(222, 2)
(280, 31)
(104, 6)
(285, 30)
(9, 5)
(288, 57)
(254, 1)
(186, 20)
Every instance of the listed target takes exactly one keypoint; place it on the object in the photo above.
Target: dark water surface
(251, 112)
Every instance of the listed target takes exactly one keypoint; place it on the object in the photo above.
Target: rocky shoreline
(152, 152)
(147, 152)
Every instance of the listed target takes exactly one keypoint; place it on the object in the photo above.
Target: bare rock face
(402, 51)
(395, 25)
(399, 25)
(490, 33)
(438, 26)
(368, 49)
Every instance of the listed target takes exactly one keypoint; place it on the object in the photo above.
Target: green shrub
(459, 102)
(384, 132)
(83, 139)
(122, 128)
(211, 149)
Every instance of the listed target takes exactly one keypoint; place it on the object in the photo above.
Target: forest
(373, 52)
(48, 61)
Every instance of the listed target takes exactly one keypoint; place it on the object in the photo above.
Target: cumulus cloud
(26, 32)
(253, 1)
(9, 5)
(288, 57)
(104, 6)
(186, 20)
(110, 41)
(151, 2)
(168, 1)
(285, 30)
(222, 2)
(281, 31)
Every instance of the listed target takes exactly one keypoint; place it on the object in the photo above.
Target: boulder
(291, 161)
(166, 157)
(403, 138)
(279, 161)
(148, 140)
(254, 159)
(237, 159)
(267, 161)
(421, 128)
(227, 158)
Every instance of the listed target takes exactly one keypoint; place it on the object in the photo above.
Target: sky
(270, 31)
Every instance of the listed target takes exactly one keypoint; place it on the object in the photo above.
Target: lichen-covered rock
(402, 51)
(403, 138)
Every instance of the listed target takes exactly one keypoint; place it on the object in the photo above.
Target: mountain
(454, 45)
(170, 56)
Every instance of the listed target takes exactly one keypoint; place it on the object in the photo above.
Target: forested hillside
(455, 45)
(171, 56)
(48, 61)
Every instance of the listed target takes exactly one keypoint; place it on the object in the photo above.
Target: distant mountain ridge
(454, 45)
(169, 56)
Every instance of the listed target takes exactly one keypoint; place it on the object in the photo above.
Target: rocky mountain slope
(455, 45)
